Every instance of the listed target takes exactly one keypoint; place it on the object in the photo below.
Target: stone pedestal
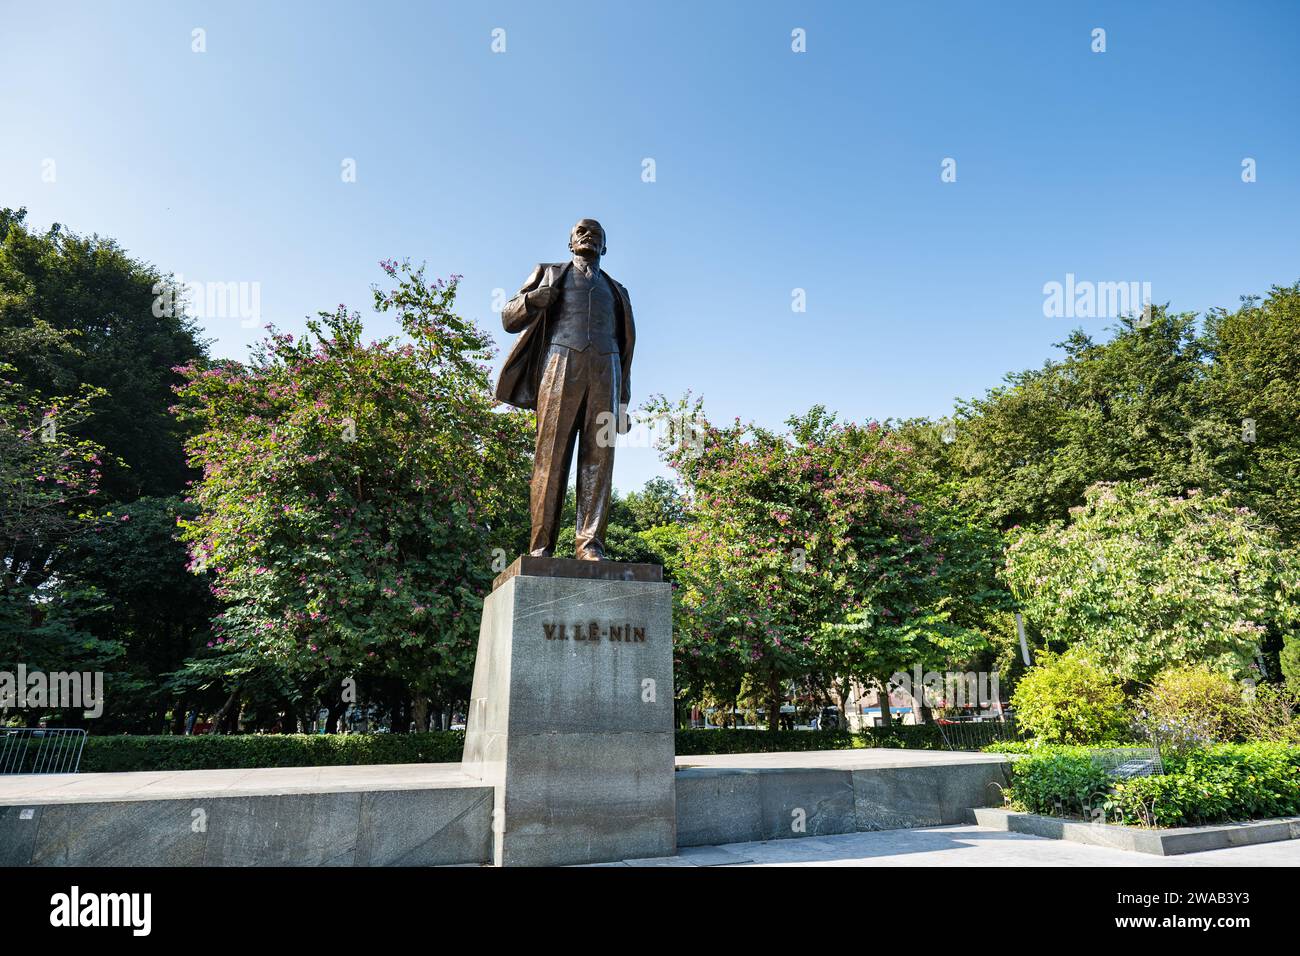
(571, 716)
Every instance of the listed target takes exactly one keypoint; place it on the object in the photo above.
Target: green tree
(106, 302)
(1132, 408)
(353, 494)
(49, 489)
(80, 338)
(659, 503)
(1146, 581)
(145, 601)
(1254, 392)
(803, 556)
(644, 526)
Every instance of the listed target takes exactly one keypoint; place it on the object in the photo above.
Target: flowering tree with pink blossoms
(353, 493)
(804, 558)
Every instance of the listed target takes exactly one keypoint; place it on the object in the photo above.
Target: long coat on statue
(521, 375)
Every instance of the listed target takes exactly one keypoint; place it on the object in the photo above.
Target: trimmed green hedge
(697, 742)
(1218, 784)
(206, 752)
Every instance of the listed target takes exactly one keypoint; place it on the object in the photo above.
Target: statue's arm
(528, 304)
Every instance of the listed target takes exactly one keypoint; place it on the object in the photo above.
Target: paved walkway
(959, 846)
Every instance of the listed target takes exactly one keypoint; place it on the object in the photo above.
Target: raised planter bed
(1171, 841)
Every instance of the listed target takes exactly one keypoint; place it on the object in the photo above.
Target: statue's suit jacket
(522, 373)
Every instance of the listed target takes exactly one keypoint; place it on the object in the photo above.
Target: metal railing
(976, 735)
(40, 750)
(1124, 763)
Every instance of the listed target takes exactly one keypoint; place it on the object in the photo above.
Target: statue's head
(587, 238)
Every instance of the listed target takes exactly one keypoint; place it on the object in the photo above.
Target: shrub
(1059, 782)
(1289, 658)
(1270, 716)
(1227, 782)
(1070, 699)
(1191, 706)
(1011, 747)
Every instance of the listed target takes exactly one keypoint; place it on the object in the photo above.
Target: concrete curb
(1166, 842)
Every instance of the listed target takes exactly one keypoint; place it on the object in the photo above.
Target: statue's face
(587, 238)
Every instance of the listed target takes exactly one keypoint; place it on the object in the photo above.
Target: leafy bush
(1070, 699)
(1289, 658)
(1227, 782)
(1192, 706)
(1270, 715)
(1058, 781)
(1011, 747)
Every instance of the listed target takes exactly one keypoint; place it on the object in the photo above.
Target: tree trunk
(841, 703)
(774, 698)
(420, 712)
(225, 709)
(882, 695)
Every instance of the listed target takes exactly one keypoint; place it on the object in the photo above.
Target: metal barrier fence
(40, 750)
(976, 735)
(1124, 763)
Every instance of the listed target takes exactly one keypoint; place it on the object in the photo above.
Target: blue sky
(775, 170)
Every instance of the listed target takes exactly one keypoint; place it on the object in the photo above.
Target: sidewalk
(958, 846)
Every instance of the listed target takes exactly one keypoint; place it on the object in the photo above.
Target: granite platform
(436, 814)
